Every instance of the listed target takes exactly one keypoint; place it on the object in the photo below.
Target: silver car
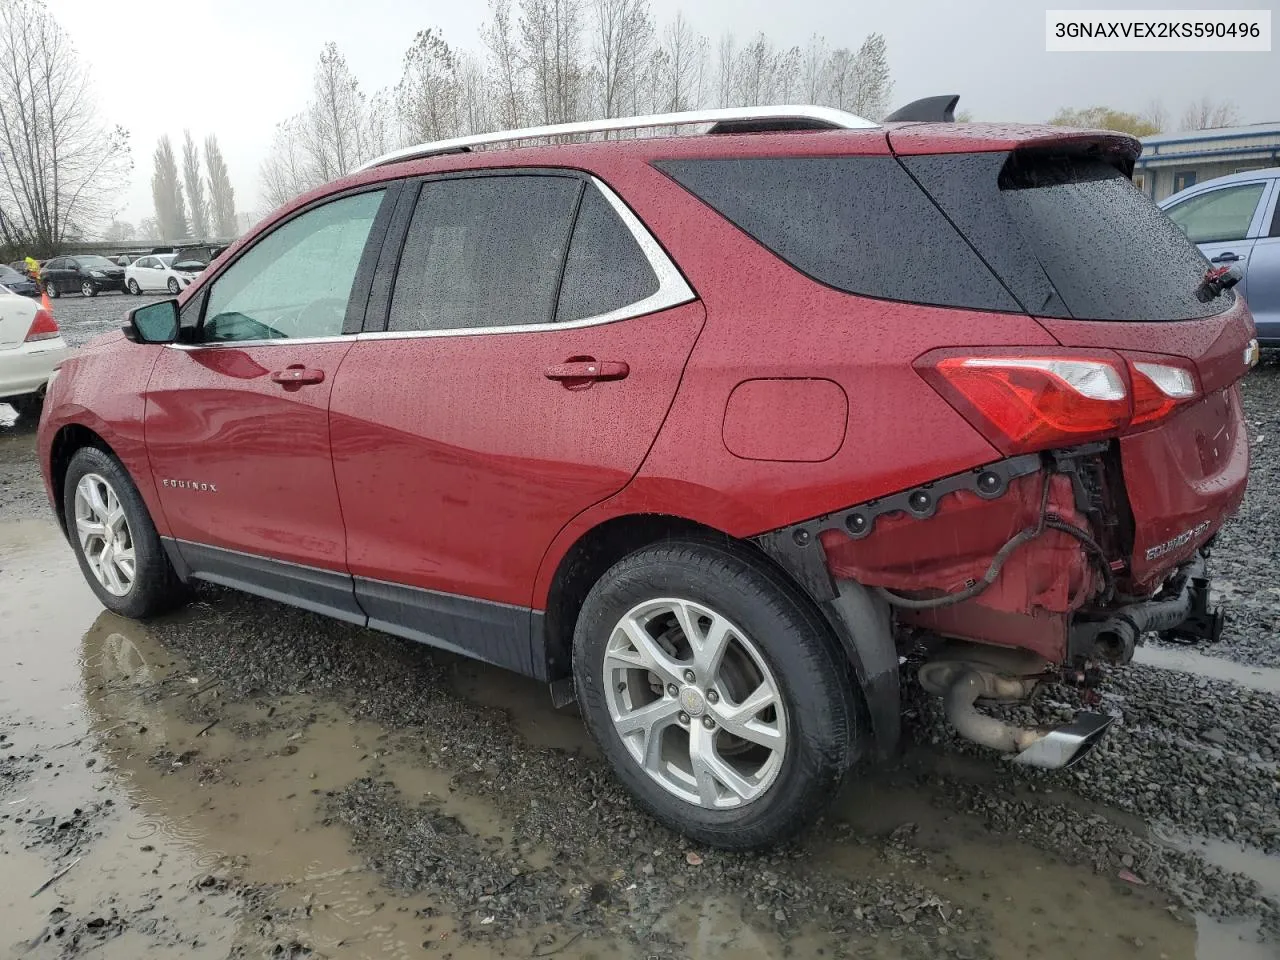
(1235, 220)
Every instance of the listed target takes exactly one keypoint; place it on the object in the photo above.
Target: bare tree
(199, 212)
(623, 31)
(333, 133)
(287, 171)
(550, 32)
(726, 77)
(166, 191)
(788, 80)
(429, 93)
(57, 160)
(873, 85)
(1207, 113)
(222, 197)
(382, 127)
(757, 69)
(505, 70)
(1156, 114)
(475, 112)
(814, 70)
(119, 231)
(841, 78)
(685, 52)
(148, 229)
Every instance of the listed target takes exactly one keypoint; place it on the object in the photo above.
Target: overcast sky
(236, 67)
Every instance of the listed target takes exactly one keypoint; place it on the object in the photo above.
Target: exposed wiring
(993, 571)
(1093, 547)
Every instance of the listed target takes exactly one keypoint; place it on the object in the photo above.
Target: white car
(159, 272)
(31, 346)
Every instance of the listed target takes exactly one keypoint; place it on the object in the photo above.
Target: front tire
(175, 288)
(87, 289)
(116, 543)
(134, 288)
(716, 691)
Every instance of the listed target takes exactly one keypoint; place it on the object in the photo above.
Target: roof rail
(725, 120)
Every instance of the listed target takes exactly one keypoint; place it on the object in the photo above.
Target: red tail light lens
(43, 327)
(1024, 403)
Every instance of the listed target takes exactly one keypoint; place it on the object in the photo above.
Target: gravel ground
(1188, 758)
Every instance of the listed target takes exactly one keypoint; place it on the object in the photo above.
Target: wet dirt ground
(242, 779)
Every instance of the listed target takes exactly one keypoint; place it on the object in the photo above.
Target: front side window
(297, 280)
(1219, 214)
(484, 252)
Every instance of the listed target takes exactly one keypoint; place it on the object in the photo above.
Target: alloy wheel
(104, 534)
(695, 703)
(86, 289)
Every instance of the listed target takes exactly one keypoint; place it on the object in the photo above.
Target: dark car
(88, 273)
(18, 281)
(709, 432)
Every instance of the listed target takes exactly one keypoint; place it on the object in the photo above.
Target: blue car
(1235, 220)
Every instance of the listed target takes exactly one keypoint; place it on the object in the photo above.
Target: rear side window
(1218, 215)
(484, 252)
(859, 224)
(1070, 236)
(606, 270)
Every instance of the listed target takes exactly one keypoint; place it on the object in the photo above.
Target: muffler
(1051, 748)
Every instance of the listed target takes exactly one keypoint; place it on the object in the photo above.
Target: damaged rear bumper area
(1010, 574)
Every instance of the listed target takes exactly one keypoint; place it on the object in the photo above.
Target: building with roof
(1174, 161)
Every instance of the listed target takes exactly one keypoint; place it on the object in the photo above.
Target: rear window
(1071, 237)
(1045, 234)
(859, 224)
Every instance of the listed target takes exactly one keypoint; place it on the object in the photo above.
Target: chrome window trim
(276, 342)
(672, 290)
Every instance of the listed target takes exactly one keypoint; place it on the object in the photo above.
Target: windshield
(9, 275)
(96, 263)
(166, 259)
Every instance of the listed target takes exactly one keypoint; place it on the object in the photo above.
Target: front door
(1264, 275)
(532, 350)
(237, 424)
(1224, 222)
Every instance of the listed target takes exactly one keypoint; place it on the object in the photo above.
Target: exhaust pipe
(1047, 747)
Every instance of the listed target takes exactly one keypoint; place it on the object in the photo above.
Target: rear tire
(52, 290)
(134, 288)
(116, 543)
(671, 739)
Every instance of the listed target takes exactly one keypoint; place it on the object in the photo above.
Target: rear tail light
(1157, 389)
(1023, 403)
(43, 327)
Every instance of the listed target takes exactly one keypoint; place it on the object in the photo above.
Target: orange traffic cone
(44, 300)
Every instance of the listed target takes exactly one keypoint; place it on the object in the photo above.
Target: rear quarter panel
(766, 320)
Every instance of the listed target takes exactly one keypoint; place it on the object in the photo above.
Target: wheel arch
(857, 619)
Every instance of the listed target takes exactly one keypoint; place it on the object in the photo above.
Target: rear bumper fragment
(1182, 612)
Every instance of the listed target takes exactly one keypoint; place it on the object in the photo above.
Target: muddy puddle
(1264, 679)
(143, 813)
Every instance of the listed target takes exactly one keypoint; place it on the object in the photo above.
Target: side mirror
(155, 323)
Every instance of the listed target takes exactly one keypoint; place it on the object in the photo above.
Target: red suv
(716, 432)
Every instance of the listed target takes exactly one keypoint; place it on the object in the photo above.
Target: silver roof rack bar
(820, 117)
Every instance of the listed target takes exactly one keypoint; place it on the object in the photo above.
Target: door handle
(297, 373)
(1227, 257)
(587, 370)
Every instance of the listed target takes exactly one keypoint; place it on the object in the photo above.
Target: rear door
(53, 272)
(528, 348)
(237, 423)
(1264, 274)
(1225, 223)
